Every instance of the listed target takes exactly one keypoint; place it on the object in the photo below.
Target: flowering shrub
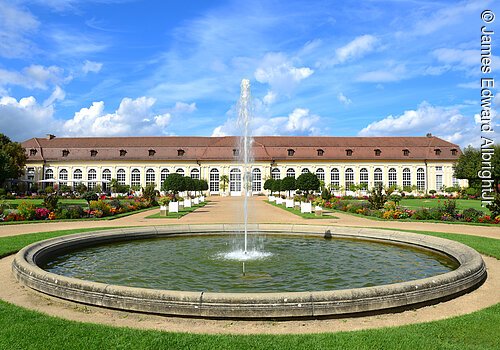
(42, 213)
(27, 210)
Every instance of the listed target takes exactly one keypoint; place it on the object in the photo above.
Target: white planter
(279, 200)
(187, 203)
(173, 207)
(289, 203)
(163, 210)
(318, 210)
(305, 207)
(196, 201)
(272, 199)
(202, 199)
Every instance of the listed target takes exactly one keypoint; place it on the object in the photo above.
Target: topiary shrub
(377, 197)
(50, 202)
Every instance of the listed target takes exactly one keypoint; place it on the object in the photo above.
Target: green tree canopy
(276, 186)
(288, 184)
(268, 185)
(468, 166)
(174, 183)
(308, 182)
(12, 159)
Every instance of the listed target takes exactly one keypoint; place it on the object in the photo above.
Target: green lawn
(304, 215)
(434, 202)
(180, 214)
(13, 203)
(26, 329)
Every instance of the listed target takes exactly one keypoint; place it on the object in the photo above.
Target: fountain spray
(246, 145)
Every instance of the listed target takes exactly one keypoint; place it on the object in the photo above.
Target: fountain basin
(470, 273)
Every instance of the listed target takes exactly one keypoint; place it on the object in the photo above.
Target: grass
(414, 203)
(13, 203)
(26, 329)
(180, 214)
(303, 215)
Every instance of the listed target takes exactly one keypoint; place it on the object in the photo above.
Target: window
(320, 174)
(437, 151)
(290, 173)
(291, 152)
(439, 182)
(77, 177)
(406, 178)
(214, 180)
(150, 177)
(49, 174)
(106, 177)
(335, 177)
(256, 180)
(393, 177)
(305, 170)
(180, 152)
(235, 180)
(163, 175)
(120, 176)
(91, 177)
(63, 177)
(363, 178)
(236, 152)
(348, 152)
(420, 179)
(65, 153)
(320, 152)
(93, 153)
(454, 181)
(349, 178)
(195, 174)
(377, 177)
(180, 171)
(406, 152)
(31, 174)
(151, 152)
(378, 152)
(123, 153)
(135, 178)
(439, 168)
(275, 174)
(454, 152)
(33, 152)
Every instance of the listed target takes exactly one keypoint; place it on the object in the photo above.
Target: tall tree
(308, 182)
(468, 166)
(12, 159)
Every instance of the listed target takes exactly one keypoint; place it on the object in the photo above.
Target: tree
(149, 193)
(377, 197)
(288, 184)
(174, 183)
(12, 159)
(268, 185)
(204, 185)
(189, 184)
(308, 182)
(224, 180)
(89, 197)
(276, 186)
(468, 165)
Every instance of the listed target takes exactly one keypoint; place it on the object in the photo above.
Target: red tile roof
(265, 148)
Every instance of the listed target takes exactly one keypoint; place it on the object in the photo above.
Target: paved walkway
(229, 210)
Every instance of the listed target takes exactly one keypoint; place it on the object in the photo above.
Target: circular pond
(289, 264)
(184, 270)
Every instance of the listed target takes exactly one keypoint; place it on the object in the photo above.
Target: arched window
(150, 176)
(406, 179)
(195, 173)
(164, 174)
(363, 177)
(349, 178)
(63, 177)
(235, 180)
(335, 178)
(421, 179)
(214, 180)
(49, 174)
(180, 171)
(106, 177)
(77, 177)
(256, 180)
(320, 174)
(290, 172)
(275, 174)
(393, 177)
(120, 176)
(305, 170)
(135, 177)
(91, 177)
(377, 177)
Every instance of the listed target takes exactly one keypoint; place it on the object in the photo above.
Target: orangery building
(417, 163)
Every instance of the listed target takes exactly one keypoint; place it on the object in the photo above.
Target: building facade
(421, 163)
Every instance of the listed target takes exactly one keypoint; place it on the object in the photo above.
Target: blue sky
(335, 68)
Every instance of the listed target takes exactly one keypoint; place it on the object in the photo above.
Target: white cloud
(344, 99)
(279, 72)
(391, 74)
(16, 26)
(91, 66)
(34, 77)
(466, 58)
(355, 49)
(299, 122)
(270, 97)
(57, 95)
(133, 117)
(182, 107)
(70, 44)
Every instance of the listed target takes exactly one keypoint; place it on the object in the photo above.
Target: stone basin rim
(469, 275)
